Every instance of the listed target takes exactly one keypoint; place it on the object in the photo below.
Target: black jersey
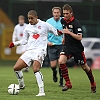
(74, 26)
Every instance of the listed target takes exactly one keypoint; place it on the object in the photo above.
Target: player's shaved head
(32, 12)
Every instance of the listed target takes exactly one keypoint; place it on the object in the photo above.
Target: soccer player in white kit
(35, 36)
(18, 35)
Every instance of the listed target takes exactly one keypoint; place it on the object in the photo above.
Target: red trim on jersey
(69, 20)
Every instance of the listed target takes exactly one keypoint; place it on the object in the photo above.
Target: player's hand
(59, 32)
(66, 31)
(50, 44)
(11, 45)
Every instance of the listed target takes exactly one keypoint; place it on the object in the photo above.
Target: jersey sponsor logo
(62, 53)
(21, 34)
(71, 30)
(36, 36)
(39, 27)
(70, 26)
(79, 29)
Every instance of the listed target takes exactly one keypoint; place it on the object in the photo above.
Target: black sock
(61, 77)
(90, 76)
(60, 74)
(54, 71)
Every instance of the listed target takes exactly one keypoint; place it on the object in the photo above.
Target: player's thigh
(19, 64)
(65, 54)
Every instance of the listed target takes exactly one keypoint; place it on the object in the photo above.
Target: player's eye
(30, 17)
(65, 13)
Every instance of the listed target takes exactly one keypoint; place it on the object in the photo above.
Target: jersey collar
(70, 20)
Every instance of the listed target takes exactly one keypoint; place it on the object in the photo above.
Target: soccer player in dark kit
(73, 48)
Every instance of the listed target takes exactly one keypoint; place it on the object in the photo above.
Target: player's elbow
(79, 37)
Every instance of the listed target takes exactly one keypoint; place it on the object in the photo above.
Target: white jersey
(18, 32)
(36, 35)
(18, 35)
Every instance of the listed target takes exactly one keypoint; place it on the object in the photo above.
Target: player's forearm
(14, 39)
(21, 42)
(76, 36)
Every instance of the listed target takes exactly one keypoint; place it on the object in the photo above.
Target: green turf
(80, 90)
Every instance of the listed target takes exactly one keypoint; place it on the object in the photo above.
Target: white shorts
(29, 56)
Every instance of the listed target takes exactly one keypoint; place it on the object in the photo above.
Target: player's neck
(56, 19)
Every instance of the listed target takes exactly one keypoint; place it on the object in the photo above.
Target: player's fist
(11, 45)
(59, 32)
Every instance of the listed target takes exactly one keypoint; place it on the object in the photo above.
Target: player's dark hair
(32, 12)
(67, 7)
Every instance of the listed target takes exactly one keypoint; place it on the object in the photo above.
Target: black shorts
(54, 52)
(79, 56)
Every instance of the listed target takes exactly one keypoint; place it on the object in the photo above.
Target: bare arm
(76, 36)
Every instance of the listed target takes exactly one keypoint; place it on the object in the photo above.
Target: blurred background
(86, 11)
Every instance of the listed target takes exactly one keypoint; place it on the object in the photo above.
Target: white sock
(19, 75)
(39, 78)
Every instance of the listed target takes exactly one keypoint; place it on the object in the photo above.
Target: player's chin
(31, 23)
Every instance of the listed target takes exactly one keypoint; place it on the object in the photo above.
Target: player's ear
(37, 17)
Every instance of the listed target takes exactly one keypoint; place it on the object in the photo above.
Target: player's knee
(16, 68)
(61, 61)
(85, 67)
(53, 65)
(36, 69)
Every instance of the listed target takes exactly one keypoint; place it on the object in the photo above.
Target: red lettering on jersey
(21, 34)
(36, 36)
(39, 27)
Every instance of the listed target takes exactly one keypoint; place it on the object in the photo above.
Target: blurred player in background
(18, 35)
(55, 43)
(73, 48)
(35, 36)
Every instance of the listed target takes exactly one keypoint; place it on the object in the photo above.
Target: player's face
(21, 21)
(56, 14)
(32, 19)
(67, 14)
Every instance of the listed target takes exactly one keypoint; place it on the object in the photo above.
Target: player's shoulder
(49, 19)
(41, 22)
(77, 22)
(17, 26)
(25, 24)
(44, 23)
(28, 26)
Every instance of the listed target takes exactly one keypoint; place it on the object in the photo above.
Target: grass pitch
(80, 90)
